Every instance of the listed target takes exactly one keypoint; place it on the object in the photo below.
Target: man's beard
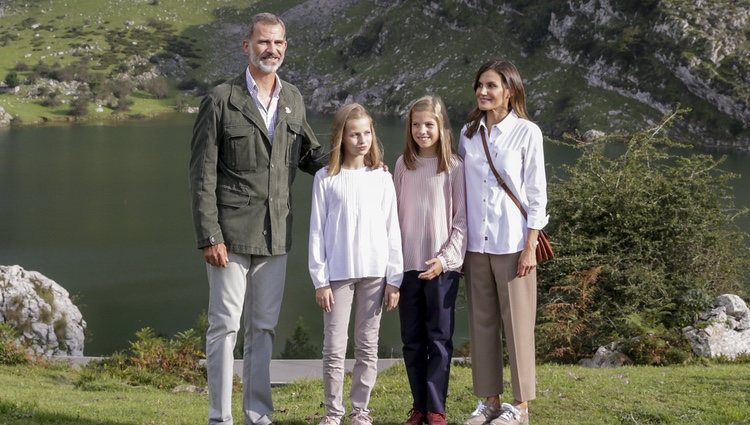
(267, 69)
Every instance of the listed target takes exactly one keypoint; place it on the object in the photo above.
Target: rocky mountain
(593, 64)
(604, 65)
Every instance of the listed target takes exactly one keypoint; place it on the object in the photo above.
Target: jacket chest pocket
(238, 148)
(294, 144)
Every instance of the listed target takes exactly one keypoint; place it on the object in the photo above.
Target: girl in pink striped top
(429, 180)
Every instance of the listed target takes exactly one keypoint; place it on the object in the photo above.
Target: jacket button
(212, 239)
(265, 232)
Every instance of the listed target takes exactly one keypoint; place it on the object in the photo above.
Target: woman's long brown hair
(511, 80)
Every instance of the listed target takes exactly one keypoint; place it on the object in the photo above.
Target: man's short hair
(265, 18)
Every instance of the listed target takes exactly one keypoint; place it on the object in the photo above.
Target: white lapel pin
(287, 110)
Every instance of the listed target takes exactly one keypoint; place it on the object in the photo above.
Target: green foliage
(298, 346)
(12, 80)
(153, 360)
(79, 107)
(645, 239)
(11, 352)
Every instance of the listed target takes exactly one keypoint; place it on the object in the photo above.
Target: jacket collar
(240, 98)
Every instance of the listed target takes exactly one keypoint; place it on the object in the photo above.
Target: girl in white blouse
(354, 258)
(500, 260)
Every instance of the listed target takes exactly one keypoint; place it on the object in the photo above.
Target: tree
(79, 107)
(645, 240)
(298, 346)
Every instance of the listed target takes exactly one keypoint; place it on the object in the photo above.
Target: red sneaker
(415, 417)
(436, 418)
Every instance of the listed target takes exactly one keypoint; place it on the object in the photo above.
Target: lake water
(105, 212)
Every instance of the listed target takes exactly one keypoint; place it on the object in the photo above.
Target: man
(249, 138)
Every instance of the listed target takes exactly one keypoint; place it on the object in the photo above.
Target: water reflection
(105, 211)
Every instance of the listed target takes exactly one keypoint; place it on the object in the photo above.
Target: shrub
(158, 87)
(21, 66)
(12, 80)
(78, 71)
(79, 107)
(123, 105)
(644, 239)
(52, 100)
(153, 360)
(11, 352)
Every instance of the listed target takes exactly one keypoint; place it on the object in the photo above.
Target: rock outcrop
(5, 118)
(723, 331)
(606, 357)
(47, 320)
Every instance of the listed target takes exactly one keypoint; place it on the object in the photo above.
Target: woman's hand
(527, 260)
(390, 299)
(324, 298)
(435, 267)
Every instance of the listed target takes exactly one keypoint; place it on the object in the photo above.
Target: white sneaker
(360, 418)
(511, 415)
(330, 420)
(483, 414)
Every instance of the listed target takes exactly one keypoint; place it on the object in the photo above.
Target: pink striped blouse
(431, 213)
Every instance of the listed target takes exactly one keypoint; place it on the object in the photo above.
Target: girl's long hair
(511, 80)
(346, 113)
(435, 106)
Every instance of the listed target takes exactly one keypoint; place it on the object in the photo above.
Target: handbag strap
(497, 175)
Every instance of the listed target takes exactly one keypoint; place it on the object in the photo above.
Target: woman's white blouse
(495, 224)
(354, 229)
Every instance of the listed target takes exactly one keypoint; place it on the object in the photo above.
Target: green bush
(645, 239)
(11, 352)
(12, 80)
(153, 360)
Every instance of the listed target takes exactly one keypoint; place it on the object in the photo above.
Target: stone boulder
(723, 331)
(605, 357)
(41, 310)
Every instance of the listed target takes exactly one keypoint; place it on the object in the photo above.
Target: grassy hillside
(103, 39)
(566, 395)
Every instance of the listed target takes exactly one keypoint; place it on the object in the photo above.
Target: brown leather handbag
(543, 247)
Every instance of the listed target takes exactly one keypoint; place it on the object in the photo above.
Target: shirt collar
(506, 124)
(252, 86)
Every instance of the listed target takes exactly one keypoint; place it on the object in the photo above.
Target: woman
(500, 260)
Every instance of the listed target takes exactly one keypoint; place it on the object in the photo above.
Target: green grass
(566, 395)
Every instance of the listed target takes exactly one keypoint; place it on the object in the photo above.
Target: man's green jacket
(239, 180)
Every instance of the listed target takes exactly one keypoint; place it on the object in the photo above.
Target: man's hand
(324, 298)
(434, 270)
(216, 255)
(390, 299)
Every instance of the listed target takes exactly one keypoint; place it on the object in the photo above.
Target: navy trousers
(427, 314)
